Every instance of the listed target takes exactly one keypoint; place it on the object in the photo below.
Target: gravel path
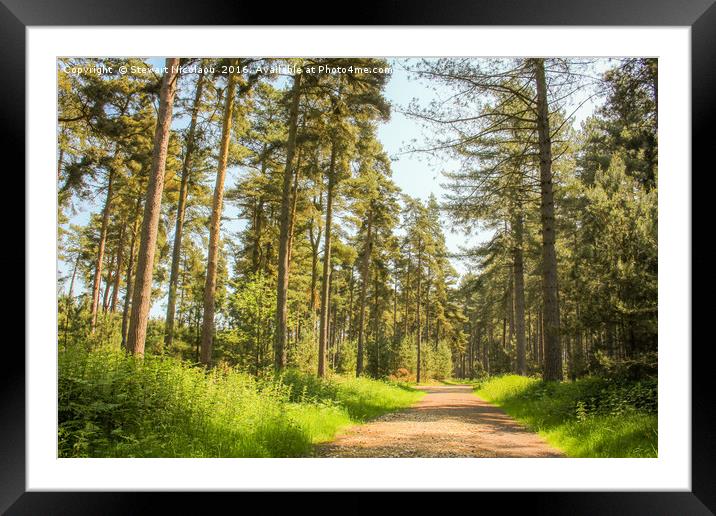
(449, 421)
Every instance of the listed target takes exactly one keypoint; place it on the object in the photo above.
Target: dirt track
(449, 421)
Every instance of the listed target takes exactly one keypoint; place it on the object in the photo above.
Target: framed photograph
(427, 251)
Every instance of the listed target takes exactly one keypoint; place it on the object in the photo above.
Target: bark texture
(519, 294)
(325, 287)
(181, 211)
(207, 325)
(550, 290)
(284, 251)
(141, 298)
(97, 280)
(365, 273)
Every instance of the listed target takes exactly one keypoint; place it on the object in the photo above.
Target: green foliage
(304, 354)
(591, 417)
(391, 275)
(347, 357)
(115, 405)
(252, 309)
(406, 355)
(363, 398)
(440, 364)
(435, 363)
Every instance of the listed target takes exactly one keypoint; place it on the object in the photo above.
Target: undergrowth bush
(590, 417)
(114, 405)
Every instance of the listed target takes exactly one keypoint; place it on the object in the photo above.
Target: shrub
(591, 417)
(112, 404)
(115, 405)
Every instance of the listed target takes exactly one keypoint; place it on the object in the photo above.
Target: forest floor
(449, 421)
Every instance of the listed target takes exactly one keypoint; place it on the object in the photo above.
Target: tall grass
(591, 417)
(114, 405)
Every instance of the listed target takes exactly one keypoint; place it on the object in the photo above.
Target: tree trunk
(325, 292)
(108, 281)
(118, 271)
(540, 338)
(519, 294)
(141, 299)
(74, 275)
(315, 241)
(552, 347)
(407, 297)
(207, 325)
(365, 271)
(486, 349)
(294, 203)
(258, 227)
(395, 309)
(427, 309)
(130, 274)
(470, 346)
(376, 322)
(60, 162)
(283, 250)
(181, 211)
(69, 297)
(256, 261)
(417, 309)
(100, 251)
(349, 315)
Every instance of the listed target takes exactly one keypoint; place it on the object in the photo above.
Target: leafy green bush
(114, 405)
(111, 404)
(440, 364)
(591, 417)
(362, 398)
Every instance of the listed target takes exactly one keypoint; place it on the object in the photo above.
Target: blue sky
(416, 177)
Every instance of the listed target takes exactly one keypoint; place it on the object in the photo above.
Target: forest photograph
(357, 257)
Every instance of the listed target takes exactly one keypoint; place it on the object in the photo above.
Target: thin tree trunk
(315, 241)
(258, 227)
(529, 334)
(118, 271)
(74, 275)
(325, 292)
(511, 306)
(280, 342)
(108, 281)
(141, 299)
(294, 203)
(519, 295)
(395, 310)
(540, 343)
(407, 297)
(365, 271)
(486, 349)
(552, 347)
(207, 325)
(470, 345)
(181, 211)
(376, 325)
(351, 285)
(100, 251)
(258, 217)
(130, 274)
(417, 309)
(60, 162)
(69, 297)
(427, 310)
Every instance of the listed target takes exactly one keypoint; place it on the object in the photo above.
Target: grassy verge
(114, 405)
(591, 417)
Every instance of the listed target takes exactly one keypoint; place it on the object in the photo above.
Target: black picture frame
(700, 15)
